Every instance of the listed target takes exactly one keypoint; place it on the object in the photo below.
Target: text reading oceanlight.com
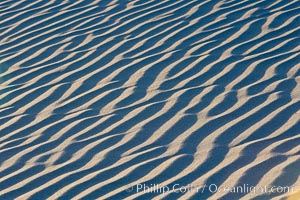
(212, 188)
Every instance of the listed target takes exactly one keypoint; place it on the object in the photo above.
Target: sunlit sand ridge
(157, 99)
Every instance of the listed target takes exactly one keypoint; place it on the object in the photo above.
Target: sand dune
(101, 97)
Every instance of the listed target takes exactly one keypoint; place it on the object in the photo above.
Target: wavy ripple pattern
(97, 96)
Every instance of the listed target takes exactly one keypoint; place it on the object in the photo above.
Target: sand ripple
(100, 96)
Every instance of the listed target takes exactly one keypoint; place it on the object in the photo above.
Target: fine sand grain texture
(149, 99)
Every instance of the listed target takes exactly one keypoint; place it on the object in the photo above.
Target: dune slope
(105, 99)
